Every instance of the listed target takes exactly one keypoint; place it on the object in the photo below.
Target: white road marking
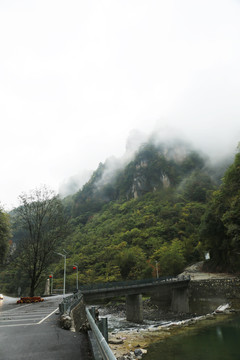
(17, 319)
(34, 316)
(34, 313)
(9, 325)
(41, 321)
(16, 308)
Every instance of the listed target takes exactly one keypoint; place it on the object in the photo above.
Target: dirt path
(196, 273)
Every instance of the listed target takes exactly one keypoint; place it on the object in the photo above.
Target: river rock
(138, 352)
(152, 329)
(65, 322)
(115, 341)
(126, 357)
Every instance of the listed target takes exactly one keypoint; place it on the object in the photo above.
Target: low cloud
(74, 183)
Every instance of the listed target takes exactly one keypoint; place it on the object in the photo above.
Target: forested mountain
(153, 168)
(147, 211)
(165, 207)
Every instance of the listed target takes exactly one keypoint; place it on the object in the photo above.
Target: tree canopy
(4, 235)
(40, 226)
(220, 229)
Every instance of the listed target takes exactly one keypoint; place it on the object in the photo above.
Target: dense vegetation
(39, 227)
(220, 229)
(4, 235)
(125, 238)
(159, 212)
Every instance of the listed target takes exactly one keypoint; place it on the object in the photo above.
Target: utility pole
(75, 267)
(64, 273)
(51, 283)
(157, 269)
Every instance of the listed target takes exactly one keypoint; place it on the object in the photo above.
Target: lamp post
(75, 267)
(64, 274)
(51, 285)
(157, 269)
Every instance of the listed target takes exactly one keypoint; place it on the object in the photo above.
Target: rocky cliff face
(141, 183)
(153, 167)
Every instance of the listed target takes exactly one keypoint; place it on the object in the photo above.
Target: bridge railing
(109, 285)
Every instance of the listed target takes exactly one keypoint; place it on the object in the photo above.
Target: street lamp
(51, 279)
(64, 274)
(75, 267)
(157, 268)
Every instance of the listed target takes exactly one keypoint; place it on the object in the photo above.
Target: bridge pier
(180, 300)
(134, 308)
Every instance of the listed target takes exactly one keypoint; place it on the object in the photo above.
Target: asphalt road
(31, 331)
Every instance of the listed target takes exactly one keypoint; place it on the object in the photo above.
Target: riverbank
(133, 343)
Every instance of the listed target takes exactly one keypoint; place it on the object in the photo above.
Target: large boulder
(66, 322)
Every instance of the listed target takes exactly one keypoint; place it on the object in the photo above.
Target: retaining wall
(207, 295)
(78, 314)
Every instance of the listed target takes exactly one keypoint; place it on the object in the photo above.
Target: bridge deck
(105, 290)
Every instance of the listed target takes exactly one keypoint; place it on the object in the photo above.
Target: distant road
(31, 331)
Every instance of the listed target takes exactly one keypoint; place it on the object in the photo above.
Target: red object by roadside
(30, 299)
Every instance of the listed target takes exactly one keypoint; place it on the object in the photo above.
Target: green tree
(131, 262)
(4, 235)
(197, 186)
(220, 229)
(41, 225)
(170, 258)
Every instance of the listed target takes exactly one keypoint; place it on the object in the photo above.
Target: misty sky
(77, 76)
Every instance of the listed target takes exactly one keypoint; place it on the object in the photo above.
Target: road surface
(31, 331)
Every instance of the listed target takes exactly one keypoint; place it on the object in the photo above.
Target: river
(215, 342)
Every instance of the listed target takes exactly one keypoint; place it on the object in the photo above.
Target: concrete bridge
(168, 291)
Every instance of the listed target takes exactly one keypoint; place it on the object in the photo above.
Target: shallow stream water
(216, 342)
(116, 324)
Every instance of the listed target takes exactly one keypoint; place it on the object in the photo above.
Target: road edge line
(41, 321)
